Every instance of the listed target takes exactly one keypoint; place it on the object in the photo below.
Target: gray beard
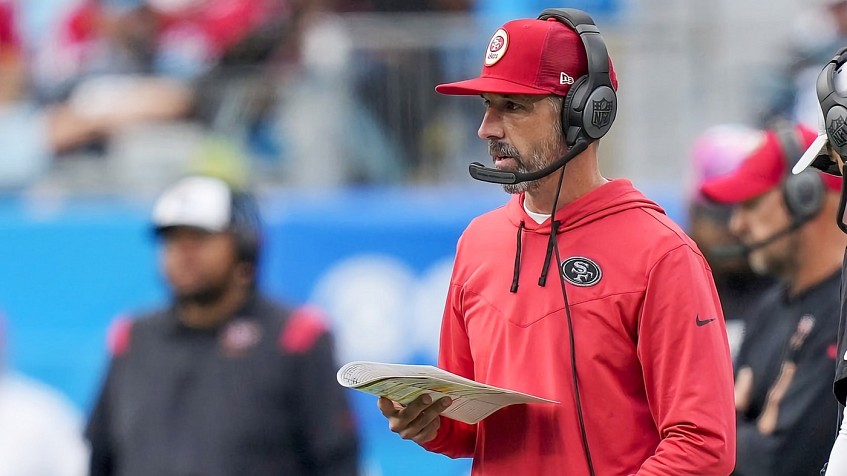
(534, 164)
(522, 187)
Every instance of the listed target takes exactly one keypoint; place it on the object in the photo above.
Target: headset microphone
(737, 251)
(492, 175)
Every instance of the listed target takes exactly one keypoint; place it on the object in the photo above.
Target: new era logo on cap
(564, 78)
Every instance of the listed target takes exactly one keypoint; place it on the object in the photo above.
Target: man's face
(708, 226)
(523, 134)
(758, 219)
(199, 266)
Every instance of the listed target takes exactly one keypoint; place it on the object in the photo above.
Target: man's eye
(512, 106)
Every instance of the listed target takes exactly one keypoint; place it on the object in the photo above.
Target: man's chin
(759, 264)
(516, 188)
(198, 296)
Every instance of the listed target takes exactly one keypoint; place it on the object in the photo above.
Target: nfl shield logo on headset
(602, 113)
(837, 132)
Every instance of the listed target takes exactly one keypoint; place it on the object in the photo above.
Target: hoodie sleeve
(684, 353)
(454, 439)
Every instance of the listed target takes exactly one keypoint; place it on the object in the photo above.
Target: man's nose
(491, 126)
(736, 222)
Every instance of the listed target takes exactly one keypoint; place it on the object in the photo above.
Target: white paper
(402, 383)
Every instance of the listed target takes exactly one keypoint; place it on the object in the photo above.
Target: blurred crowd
(128, 94)
(125, 95)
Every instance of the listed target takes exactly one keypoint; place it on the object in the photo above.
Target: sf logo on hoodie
(581, 271)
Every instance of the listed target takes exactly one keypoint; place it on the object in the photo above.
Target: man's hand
(743, 389)
(770, 415)
(418, 421)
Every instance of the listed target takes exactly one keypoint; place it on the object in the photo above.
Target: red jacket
(652, 356)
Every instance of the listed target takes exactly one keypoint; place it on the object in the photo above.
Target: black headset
(588, 110)
(833, 103)
(804, 192)
(590, 107)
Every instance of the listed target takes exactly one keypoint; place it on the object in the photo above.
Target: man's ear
(246, 272)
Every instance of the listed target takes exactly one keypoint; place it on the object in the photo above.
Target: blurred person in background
(35, 133)
(40, 430)
(223, 381)
(119, 85)
(602, 281)
(717, 151)
(783, 370)
(826, 154)
(788, 92)
(395, 78)
(323, 75)
(180, 39)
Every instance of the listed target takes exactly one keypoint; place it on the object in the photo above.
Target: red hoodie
(655, 374)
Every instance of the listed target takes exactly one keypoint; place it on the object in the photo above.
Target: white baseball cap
(199, 202)
(818, 149)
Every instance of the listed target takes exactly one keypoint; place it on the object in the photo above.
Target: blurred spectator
(397, 78)
(789, 93)
(122, 84)
(34, 133)
(783, 373)
(348, 146)
(173, 38)
(393, 6)
(40, 430)
(717, 151)
(222, 381)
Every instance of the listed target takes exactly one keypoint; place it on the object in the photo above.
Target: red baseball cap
(528, 57)
(761, 171)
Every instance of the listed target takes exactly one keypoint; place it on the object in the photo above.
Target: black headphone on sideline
(833, 103)
(804, 192)
(590, 107)
(588, 110)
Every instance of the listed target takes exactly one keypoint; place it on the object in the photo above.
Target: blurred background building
(328, 107)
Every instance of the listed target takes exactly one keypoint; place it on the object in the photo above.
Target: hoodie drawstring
(542, 280)
(517, 272)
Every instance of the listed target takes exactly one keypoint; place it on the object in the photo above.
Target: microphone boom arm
(493, 175)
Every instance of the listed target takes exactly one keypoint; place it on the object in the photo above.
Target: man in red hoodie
(624, 329)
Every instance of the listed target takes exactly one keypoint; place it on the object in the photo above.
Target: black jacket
(255, 396)
(805, 429)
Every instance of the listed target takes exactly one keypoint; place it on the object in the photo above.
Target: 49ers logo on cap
(496, 47)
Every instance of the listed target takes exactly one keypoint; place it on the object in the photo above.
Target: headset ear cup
(599, 112)
(572, 124)
(804, 195)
